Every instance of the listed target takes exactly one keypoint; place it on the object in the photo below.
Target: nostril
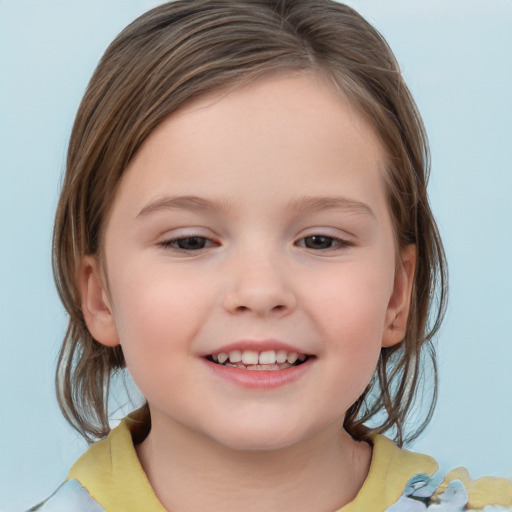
(260, 300)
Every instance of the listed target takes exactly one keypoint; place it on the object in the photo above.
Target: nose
(260, 284)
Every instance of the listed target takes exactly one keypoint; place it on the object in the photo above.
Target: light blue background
(457, 59)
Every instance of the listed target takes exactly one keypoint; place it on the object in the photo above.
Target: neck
(190, 472)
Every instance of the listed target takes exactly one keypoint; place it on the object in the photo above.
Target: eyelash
(336, 243)
(173, 244)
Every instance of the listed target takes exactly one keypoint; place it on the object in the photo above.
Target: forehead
(307, 95)
(294, 128)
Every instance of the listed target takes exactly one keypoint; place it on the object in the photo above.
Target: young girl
(244, 226)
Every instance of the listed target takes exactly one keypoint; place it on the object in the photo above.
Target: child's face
(257, 222)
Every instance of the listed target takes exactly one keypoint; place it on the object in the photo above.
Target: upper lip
(255, 345)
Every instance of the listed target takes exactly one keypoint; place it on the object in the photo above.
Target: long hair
(187, 48)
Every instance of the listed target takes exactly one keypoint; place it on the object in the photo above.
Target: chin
(268, 438)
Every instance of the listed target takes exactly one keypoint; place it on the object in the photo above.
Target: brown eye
(323, 243)
(191, 243)
(187, 243)
(319, 242)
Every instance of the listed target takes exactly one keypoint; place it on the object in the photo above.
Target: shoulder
(431, 489)
(71, 497)
(108, 476)
(450, 493)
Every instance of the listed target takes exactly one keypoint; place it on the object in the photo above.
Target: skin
(259, 153)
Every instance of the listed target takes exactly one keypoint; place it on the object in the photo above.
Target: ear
(96, 306)
(400, 300)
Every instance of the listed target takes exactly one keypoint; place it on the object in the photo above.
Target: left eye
(320, 242)
(187, 243)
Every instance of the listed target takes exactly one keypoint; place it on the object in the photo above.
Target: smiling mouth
(269, 360)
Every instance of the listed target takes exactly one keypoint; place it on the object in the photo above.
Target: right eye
(323, 243)
(187, 243)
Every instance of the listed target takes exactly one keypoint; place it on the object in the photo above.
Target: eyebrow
(319, 204)
(190, 202)
(300, 204)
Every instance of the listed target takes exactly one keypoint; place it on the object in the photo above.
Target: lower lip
(260, 379)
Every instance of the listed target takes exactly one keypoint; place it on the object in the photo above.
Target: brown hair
(186, 48)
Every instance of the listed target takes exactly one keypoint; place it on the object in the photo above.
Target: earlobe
(96, 305)
(400, 301)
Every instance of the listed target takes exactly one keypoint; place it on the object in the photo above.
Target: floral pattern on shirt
(69, 497)
(422, 494)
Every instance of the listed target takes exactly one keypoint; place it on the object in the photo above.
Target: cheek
(356, 297)
(157, 314)
(351, 315)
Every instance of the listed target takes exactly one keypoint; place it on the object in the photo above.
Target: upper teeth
(254, 357)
